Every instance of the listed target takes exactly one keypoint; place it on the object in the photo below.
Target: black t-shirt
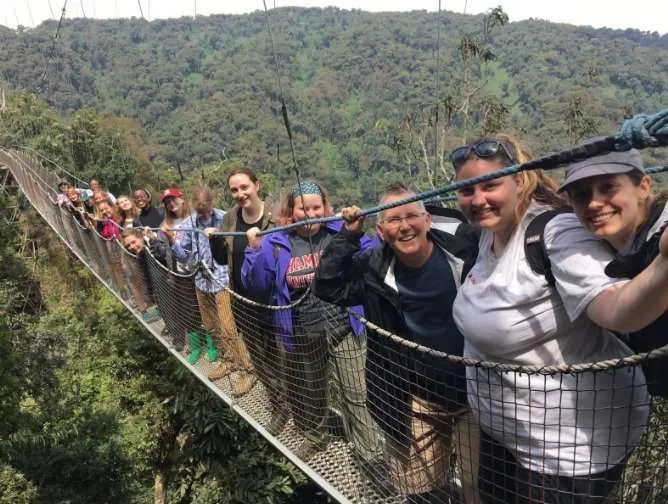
(239, 244)
(426, 296)
(312, 314)
(151, 217)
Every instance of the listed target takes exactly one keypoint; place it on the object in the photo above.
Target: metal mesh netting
(375, 418)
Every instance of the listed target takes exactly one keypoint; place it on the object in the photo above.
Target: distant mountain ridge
(206, 88)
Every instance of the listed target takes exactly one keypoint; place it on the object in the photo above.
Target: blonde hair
(133, 213)
(536, 186)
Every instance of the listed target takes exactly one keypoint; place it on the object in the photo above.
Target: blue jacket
(265, 270)
(192, 248)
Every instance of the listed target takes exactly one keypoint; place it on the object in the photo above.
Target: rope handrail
(581, 367)
(394, 366)
(379, 208)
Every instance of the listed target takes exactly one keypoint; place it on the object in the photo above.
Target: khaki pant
(217, 319)
(425, 464)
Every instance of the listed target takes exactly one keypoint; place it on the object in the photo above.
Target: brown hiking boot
(221, 371)
(244, 383)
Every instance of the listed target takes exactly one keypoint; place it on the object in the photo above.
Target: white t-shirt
(571, 425)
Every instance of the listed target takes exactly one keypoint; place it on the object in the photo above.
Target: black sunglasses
(485, 149)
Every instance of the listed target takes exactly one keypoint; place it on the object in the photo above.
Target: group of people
(534, 274)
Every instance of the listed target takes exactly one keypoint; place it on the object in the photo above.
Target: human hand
(352, 218)
(254, 241)
(208, 232)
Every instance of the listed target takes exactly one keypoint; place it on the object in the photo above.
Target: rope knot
(642, 131)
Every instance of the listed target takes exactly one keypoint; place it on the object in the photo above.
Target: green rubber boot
(195, 347)
(211, 352)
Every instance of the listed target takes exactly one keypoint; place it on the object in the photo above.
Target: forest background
(93, 410)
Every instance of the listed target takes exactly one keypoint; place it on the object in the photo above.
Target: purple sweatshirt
(265, 270)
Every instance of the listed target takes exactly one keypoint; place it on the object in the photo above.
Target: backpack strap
(445, 219)
(534, 244)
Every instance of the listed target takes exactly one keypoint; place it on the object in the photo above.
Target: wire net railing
(373, 417)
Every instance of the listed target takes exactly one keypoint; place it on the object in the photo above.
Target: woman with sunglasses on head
(555, 438)
(613, 198)
(314, 336)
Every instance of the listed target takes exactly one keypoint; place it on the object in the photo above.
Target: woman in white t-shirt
(548, 437)
(612, 195)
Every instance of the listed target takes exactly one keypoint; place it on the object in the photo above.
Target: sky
(646, 15)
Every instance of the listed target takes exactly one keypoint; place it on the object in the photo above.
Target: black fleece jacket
(394, 372)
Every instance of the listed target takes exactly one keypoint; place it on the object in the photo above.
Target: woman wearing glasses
(548, 437)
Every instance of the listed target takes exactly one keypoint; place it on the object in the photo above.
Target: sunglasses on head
(485, 149)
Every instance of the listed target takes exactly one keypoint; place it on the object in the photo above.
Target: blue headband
(305, 188)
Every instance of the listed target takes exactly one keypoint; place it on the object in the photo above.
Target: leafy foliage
(206, 89)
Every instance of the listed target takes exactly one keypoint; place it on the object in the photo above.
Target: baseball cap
(613, 163)
(172, 192)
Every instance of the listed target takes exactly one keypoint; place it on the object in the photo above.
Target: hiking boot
(221, 371)
(244, 383)
(277, 423)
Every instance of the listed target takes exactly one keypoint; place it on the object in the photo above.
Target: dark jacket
(394, 373)
(643, 250)
(150, 217)
(222, 246)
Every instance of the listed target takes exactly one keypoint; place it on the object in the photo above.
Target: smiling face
(612, 207)
(311, 207)
(105, 210)
(490, 205)
(73, 195)
(141, 199)
(133, 243)
(95, 185)
(124, 203)
(405, 228)
(244, 190)
(174, 205)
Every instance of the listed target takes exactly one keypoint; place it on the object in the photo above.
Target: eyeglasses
(484, 149)
(411, 220)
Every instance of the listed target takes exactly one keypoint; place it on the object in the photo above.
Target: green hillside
(207, 91)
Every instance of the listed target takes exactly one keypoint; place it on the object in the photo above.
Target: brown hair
(655, 199)
(536, 186)
(202, 195)
(287, 208)
(242, 171)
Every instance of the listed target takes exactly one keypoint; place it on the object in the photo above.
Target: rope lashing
(643, 131)
(434, 199)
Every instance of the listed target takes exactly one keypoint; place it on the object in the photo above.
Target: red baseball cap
(172, 192)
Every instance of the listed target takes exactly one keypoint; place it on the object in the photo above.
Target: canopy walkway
(140, 282)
